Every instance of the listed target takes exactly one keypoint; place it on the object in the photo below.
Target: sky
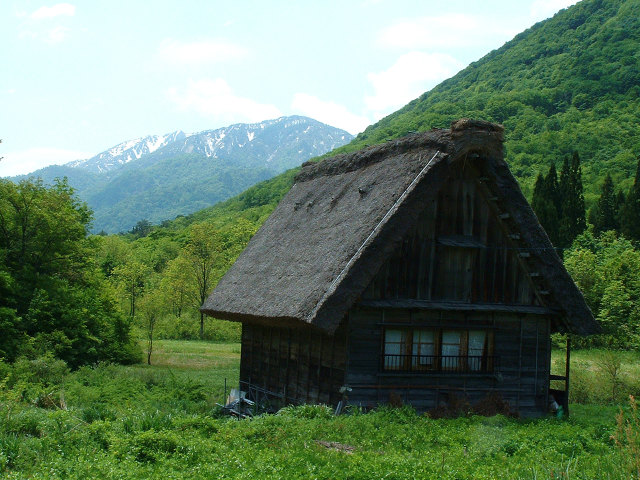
(81, 77)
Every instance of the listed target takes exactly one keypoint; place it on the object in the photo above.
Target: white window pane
(476, 342)
(393, 336)
(450, 349)
(450, 342)
(476, 349)
(394, 343)
(423, 347)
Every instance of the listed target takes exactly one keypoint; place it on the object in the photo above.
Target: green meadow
(161, 421)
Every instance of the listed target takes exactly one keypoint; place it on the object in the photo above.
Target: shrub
(9, 450)
(627, 438)
(306, 411)
(45, 370)
(151, 446)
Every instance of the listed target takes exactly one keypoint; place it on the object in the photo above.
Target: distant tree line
(601, 255)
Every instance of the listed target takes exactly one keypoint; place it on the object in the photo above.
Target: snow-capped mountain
(275, 143)
(161, 176)
(126, 152)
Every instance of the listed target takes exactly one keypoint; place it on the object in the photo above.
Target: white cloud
(57, 34)
(205, 51)
(444, 31)
(541, 9)
(216, 98)
(45, 23)
(59, 10)
(329, 112)
(27, 161)
(411, 75)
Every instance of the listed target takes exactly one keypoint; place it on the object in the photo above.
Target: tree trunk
(201, 326)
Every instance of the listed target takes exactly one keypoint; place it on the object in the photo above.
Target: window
(416, 349)
(395, 342)
(423, 351)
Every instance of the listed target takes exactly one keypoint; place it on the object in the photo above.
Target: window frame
(409, 360)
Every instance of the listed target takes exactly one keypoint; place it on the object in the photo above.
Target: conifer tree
(572, 218)
(545, 204)
(630, 211)
(604, 214)
(553, 188)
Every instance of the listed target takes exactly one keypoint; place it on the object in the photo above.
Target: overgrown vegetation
(161, 421)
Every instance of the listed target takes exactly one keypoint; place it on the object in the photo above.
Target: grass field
(160, 421)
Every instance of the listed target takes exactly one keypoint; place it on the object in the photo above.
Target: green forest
(105, 357)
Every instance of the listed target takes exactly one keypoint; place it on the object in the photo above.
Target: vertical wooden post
(566, 374)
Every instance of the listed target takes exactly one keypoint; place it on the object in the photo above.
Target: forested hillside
(571, 83)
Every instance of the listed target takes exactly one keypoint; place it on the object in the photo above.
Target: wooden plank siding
(302, 364)
(461, 250)
(520, 341)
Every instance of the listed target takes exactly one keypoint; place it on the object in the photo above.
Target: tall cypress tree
(572, 219)
(604, 214)
(545, 203)
(630, 211)
(553, 188)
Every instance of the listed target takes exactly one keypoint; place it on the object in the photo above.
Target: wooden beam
(460, 306)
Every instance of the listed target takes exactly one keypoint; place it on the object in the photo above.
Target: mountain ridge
(158, 177)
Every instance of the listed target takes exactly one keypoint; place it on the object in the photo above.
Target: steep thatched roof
(344, 217)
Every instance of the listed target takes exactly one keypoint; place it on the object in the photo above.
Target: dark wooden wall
(463, 249)
(303, 364)
(521, 341)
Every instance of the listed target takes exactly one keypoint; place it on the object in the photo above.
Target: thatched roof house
(429, 234)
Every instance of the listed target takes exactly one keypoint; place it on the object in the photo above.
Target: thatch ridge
(438, 139)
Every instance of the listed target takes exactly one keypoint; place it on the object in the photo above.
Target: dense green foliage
(571, 83)
(606, 270)
(162, 422)
(54, 300)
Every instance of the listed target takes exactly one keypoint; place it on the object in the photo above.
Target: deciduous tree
(201, 252)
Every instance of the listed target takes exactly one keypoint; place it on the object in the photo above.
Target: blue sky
(82, 76)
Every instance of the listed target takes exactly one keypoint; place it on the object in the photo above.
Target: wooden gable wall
(460, 251)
